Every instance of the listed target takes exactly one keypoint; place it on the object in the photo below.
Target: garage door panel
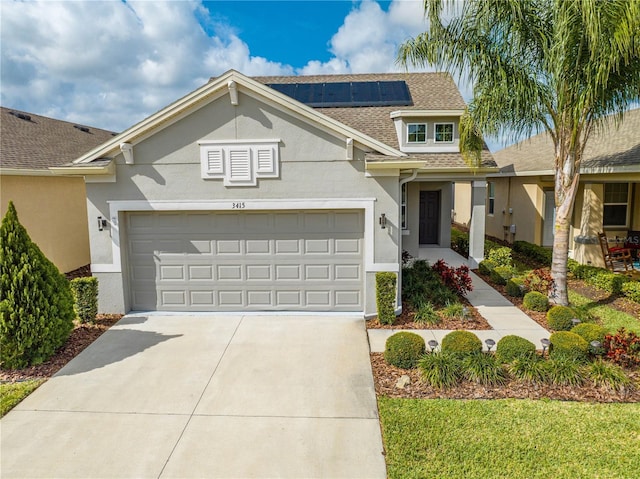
(236, 261)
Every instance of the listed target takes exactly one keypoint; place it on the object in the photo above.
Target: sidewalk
(501, 314)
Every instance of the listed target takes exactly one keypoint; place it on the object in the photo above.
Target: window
(491, 196)
(403, 213)
(417, 133)
(616, 204)
(444, 132)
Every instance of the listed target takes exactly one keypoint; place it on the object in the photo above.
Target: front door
(429, 217)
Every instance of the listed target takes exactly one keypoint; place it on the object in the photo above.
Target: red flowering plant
(539, 280)
(623, 348)
(456, 279)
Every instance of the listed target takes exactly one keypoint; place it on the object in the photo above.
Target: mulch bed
(405, 321)
(81, 337)
(386, 376)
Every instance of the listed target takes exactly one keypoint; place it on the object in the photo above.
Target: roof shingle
(41, 142)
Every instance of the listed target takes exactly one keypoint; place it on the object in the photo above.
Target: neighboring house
(277, 193)
(520, 198)
(53, 209)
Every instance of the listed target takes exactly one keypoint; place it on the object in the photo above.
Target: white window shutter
(215, 161)
(266, 162)
(238, 162)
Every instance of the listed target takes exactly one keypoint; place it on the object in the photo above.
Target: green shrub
(85, 294)
(585, 271)
(590, 332)
(534, 252)
(531, 369)
(632, 290)
(572, 265)
(501, 256)
(559, 318)
(461, 342)
(404, 349)
(440, 370)
(565, 370)
(609, 376)
(571, 345)
(421, 284)
(512, 347)
(386, 296)
(483, 369)
(535, 301)
(608, 281)
(501, 274)
(460, 242)
(426, 314)
(489, 246)
(36, 305)
(485, 267)
(453, 310)
(515, 287)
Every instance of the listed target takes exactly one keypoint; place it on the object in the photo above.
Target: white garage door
(260, 261)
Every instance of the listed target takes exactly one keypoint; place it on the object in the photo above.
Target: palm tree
(555, 65)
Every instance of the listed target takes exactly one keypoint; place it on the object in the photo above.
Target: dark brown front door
(429, 216)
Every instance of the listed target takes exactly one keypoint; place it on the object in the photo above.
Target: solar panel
(347, 94)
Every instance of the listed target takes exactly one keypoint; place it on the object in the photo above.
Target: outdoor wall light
(102, 223)
(433, 344)
(383, 221)
(490, 343)
(545, 344)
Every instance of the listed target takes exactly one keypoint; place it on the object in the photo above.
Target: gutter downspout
(403, 182)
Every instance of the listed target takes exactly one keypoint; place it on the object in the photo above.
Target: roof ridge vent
(22, 116)
(82, 128)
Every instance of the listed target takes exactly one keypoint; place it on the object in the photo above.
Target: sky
(110, 64)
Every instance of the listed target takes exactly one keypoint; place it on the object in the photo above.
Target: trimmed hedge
(512, 347)
(404, 349)
(461, 342)
(601, 278)
(537, 253)
(515, 287)
(485, 267)
(501, 274)
(568, 344)
(386, 296)
(590, 332)
(501, 256)
(559, 318)
(632, 290)
(85, 293)
(536, 301)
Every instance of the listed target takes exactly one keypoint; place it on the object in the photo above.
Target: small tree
(36, 305)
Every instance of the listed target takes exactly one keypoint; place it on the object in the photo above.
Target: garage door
(260, 261)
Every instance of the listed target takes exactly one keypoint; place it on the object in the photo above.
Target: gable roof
(35, 142)
(219, 87)
(610, 149)
(429, 91)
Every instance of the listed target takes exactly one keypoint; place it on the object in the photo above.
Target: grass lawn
(612, 319)
(12, 393)
(515, 438)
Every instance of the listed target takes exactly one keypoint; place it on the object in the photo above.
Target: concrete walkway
(501, 314)
(169, 396)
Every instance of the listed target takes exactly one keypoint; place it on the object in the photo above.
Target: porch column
(476, 224)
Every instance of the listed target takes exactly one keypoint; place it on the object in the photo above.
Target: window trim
(626, 204)
(435, 132)
(409, 125)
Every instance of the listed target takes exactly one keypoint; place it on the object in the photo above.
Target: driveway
(180, 396)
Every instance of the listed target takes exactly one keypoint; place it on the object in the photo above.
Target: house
(520, 198)
(53, 209)
(277, 193)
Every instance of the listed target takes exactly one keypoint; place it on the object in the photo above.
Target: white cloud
(110, 64)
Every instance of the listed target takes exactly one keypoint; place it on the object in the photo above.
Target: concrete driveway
(180, 396)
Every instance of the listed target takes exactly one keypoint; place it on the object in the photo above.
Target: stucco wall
(54, 212)
(313, 166)
(462, 203)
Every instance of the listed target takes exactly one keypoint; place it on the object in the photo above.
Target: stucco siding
(312, 167)
(54, 212)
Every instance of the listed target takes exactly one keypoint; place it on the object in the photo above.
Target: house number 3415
(238, 206)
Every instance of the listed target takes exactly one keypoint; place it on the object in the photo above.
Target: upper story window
(416, 133)
(444, 132)
(616, 204)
